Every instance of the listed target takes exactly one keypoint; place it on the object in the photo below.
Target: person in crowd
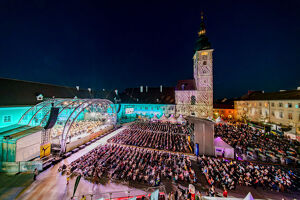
(162, 136)
(225, 193)
(133, 164)
(227, 174)
(35, 173)
(256, 144)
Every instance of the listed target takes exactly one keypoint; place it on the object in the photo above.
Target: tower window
(204, 62)
(204, 57)
(193, 100)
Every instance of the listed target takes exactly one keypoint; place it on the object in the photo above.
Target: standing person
(225, 193)
(35, 174)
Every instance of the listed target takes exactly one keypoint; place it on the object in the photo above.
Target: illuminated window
(280, 104)
(290, 116)
(272, 104)
(7, 119)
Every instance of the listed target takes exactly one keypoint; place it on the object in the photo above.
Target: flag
(76, 184)
(154, 195)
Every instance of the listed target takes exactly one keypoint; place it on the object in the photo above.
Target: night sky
(131, 43)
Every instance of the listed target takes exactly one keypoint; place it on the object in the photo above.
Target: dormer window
(40, 97)
(182, 87)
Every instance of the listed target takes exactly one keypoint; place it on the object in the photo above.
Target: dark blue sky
(131, 43)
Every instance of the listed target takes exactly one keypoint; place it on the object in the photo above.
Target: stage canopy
(71, 115)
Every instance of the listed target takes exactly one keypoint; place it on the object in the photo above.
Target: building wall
(225, 113)
(281, 112)
(11, 115)
(203, 76)
(185, 107)
(146, 110)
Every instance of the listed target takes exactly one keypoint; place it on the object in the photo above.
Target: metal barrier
(123, 194)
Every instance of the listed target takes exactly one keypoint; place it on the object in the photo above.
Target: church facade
(195, 97)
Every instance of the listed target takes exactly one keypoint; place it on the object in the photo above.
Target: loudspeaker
(53, 118)
(119, 108)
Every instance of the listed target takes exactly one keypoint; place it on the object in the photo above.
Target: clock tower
(195, 97)
(203, 71)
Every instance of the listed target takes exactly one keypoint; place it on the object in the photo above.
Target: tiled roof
(20, 93)
(152, 96)
(283, 95)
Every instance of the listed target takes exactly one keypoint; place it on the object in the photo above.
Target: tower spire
(202, 42)
(202, 26)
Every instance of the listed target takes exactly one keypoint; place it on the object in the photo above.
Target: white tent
(154, 118)
(172, 119)
(163, 118)
(249, 197)
(181, 120)
(221, 146)
(220, 120)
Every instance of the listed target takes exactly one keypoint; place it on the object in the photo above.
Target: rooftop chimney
(77, 87)
(160, 88)
(146, 88)
(89, 89)
(141, 89)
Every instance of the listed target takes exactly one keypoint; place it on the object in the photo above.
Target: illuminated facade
(195, 97)
(282, 108)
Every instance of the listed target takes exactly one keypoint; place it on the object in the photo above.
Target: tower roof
(202, 42)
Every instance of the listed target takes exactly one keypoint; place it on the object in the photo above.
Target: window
(290, 116)
(273, 114)
(204, 62)
(290, 105)
(193, 100)
(204, 57)
(297, 105)
(280, 104)
(259, 104)
(7, 118)
(281, 115)
(273, 104)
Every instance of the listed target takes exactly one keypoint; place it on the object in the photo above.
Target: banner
(45, 150)
(76, 184)
(154, 195)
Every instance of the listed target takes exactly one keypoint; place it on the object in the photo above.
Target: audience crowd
(229, 174)
(252, 141)
(160, 136)
(133, 164)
